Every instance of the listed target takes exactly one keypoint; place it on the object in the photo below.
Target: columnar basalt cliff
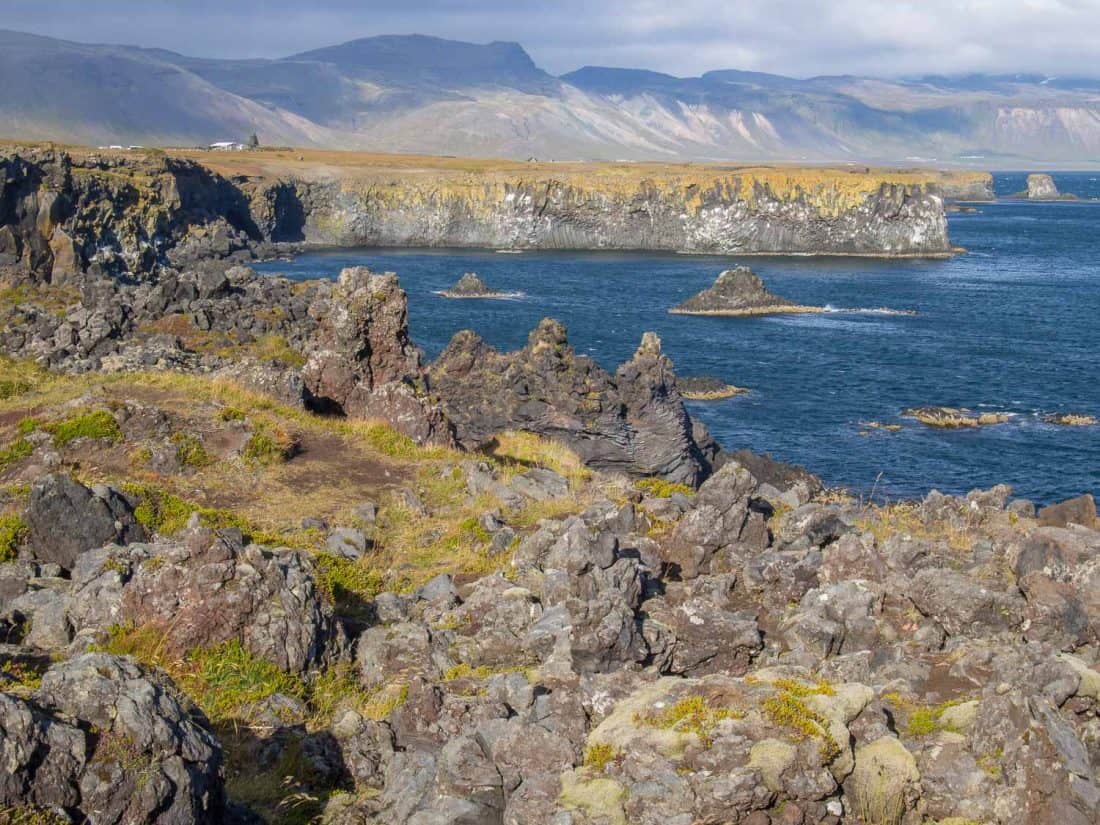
(752, 211)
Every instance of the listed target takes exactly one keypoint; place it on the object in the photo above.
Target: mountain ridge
(429, 95)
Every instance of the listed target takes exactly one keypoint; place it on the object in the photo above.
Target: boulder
(204, 589)
(112, 742)
(365, 365)
(471, 286)
(1080, 510)
(64, 518)
(1040, 187)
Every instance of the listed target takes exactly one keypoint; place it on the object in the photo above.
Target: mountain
(427, 95)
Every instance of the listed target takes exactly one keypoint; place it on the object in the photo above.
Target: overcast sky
(685, 37)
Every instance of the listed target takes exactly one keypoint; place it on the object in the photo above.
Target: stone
(144, 758)
(471, 286)
(1080, 510)
(64, 518)
(738, 292)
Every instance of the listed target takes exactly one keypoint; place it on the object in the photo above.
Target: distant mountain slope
(423, 94)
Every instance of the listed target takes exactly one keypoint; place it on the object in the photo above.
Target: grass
(270, 444)
(347, 584)
(190, 451)
(97, 424)
(29, 815)
(662, 489)
(910, 519)
(12, 532)
(15, 452)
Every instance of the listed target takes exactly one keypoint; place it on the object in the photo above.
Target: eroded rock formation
(633, 421)
(738, 292)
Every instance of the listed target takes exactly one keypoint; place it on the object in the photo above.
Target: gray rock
(64, 518)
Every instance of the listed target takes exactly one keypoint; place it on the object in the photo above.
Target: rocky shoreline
(260, 562)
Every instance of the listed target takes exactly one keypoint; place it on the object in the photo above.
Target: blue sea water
(1012, 325)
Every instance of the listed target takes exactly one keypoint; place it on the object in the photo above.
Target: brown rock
(1080, 510)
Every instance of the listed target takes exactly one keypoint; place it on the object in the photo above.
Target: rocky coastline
(471, 286)
(261, 562)
(193, 206)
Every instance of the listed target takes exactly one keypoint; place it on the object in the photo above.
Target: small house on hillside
(227, 146)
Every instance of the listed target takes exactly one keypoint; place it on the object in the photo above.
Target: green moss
(599, 755)
(190, 452)
(230, 414)
(16, 675)
(662, 489)
(790, 711)
(693, 714)
(12, 532)
(98, 424)
(923, 720)
(161, 512)
(26, 426)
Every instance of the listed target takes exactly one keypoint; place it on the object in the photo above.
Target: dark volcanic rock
(366, 366)
(205, 589)
(64, 518)
(738, 292)
(471, 286)
(112, 742)
(633, 422)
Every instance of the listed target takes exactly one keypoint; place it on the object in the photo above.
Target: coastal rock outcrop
(471, 286)
(633, 421)
(365, 365)
(739, 292)
(1041, 187)
(707, 388)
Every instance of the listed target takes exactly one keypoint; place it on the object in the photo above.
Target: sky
(682, 37)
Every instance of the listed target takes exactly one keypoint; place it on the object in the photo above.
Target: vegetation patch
(599, 755)
(693, 714)
(27, 815)
(97, 424)
(347, 584)
(13, 530)
(190, 451)
(660, 488)
(789, 710)
(922, 720)
(270, 444)
(15, 452)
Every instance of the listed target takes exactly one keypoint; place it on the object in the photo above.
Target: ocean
(1013, 325)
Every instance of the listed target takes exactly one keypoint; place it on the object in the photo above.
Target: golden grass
(910, 519)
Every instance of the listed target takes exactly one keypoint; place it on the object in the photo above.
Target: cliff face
(764, 211)
(64, 214)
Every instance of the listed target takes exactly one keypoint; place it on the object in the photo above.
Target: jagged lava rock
(633, 421)
(738, 292)
(365, 365)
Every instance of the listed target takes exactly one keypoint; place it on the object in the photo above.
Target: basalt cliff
(65, 212)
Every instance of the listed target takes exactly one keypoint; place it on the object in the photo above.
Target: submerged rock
(954, 417)
(739, 292)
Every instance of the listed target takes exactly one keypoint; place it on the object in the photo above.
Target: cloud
(795, 37)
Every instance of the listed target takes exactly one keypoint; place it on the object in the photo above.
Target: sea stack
(739, 292)
(471, 286)
(1040, 187)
